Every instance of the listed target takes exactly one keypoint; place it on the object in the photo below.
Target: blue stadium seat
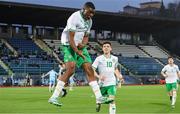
(2, 71)
(141, 66)
(32, 59)
(24, 45)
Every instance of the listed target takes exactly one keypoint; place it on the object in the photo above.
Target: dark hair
(170, 57)
(106, 43)
(89, 4)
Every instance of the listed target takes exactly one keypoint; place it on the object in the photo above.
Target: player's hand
(81, 46)
(79, 52)
(102, 78)
(122, 81)
(165, 76)
(119, 85)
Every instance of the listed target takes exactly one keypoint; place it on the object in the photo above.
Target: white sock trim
(58, 89)
(174, 97)
(112, 108)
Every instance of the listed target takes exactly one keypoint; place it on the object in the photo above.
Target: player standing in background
(71, 82)
(170, 73)
(74, 39)
(52, 79)
(106, 65)
(71, 79)
(28, 78)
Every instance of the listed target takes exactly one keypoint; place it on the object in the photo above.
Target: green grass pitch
(129, 99)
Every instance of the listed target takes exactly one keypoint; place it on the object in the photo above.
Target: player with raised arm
(74, 39)
(170, 73)
(71, 82)
(108, 72)
(52, 79)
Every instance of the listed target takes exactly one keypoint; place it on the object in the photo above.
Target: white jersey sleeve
(117, 63)
(72, 23)
(95, 63)
(164, 69)
(177, 69)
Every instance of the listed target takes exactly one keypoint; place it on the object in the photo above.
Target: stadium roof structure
(146, 3)
(41, 15)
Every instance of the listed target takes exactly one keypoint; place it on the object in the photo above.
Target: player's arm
(164, 74)
(73, 45)
(95, 66)
(42, 75)
(45, 75)
(119, 75)
(86, 37)
(117, 72)
(95, 73)
(84, 41)
(56, 73)
(72, 42)
(178, 72)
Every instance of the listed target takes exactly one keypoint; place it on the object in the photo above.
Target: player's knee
(112, 97)
(70, 66)
(70, 70)
(170, 93)
(174, 93)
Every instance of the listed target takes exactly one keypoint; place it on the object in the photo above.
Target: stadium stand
(155, 51)
(24, 46)
(129, 51)
(31, 60)
(2, 71)
(32, 65)
(4, 51)
(34, 61)
(131, 80)
(92, 48)
(54, 44)
(141, 66)
(139, 60)
(126, 50)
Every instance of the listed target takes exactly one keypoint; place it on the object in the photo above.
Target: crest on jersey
(113, 60)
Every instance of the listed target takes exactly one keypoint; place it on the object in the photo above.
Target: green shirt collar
(81, 13)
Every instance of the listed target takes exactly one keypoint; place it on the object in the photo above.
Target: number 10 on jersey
(109, 64)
